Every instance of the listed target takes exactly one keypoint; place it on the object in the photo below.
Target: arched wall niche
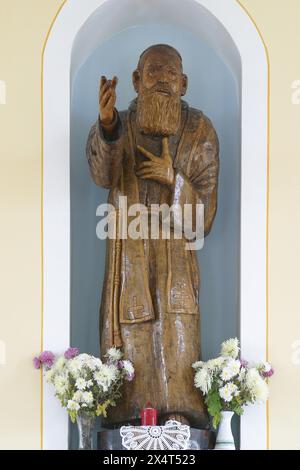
(80, 28)
(189, 14)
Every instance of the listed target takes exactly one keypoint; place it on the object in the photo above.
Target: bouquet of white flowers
(83, 383)
(229, 383)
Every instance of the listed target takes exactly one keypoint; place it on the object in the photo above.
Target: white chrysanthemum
(261, 391)
(97, 363)
(203, 380)
(81, 383)
(233, 389)
(114, 354)
(105, 376)
(256, 386)
(83, 358)
(72, 405)
(60, 384)
(128, 367)
(234, 365)
(91, 363)
(198, 364)
(227, 374)
(74, 366)
(251, 377)
(77, 396)
(87, 397)
(60, 363)
(101, 383)
(89, 383)
(230, 348)
(213, 364)
(226, 393)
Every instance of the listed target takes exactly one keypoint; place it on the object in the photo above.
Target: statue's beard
(158, 114)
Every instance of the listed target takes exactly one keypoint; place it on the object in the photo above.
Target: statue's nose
(163, 76)
(162, 81)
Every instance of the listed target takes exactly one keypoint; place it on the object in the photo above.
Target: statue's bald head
(159, 49)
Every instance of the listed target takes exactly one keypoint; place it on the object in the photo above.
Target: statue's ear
(136, 78)
(184, 84)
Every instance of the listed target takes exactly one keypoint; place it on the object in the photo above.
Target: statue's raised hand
(107, 99)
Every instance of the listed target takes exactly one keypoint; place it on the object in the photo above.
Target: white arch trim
(232, 31)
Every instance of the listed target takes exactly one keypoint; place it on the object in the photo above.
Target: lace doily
(173, 435)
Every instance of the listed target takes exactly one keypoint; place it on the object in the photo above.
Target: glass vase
(85, 425)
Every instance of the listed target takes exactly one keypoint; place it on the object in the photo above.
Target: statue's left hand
(158, 168)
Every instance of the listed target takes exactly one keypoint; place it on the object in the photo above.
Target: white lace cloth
(173, 435)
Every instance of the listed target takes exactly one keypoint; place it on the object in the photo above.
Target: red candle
(149, 416)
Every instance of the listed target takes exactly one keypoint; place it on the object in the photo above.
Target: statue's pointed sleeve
(196, 182)
(104, 152)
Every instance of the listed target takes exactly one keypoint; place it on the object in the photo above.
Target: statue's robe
(150, 304)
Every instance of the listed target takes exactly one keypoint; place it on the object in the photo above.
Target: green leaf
(238, 410)
(101, 408)
(73, 415)
(214, 406)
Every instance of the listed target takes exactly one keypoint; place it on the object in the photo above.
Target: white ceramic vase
(225, 439)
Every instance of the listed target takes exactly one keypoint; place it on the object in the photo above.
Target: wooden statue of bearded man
(158, 151)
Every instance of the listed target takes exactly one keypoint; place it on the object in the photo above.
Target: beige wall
(279, 24)
(23, 27)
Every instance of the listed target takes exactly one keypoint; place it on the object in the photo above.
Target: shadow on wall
(213, 89)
